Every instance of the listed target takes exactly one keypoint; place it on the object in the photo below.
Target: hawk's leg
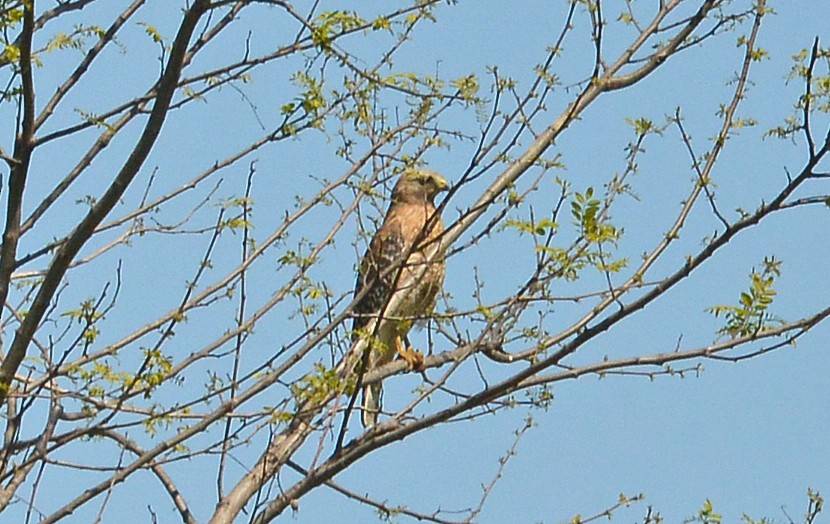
(414, 358)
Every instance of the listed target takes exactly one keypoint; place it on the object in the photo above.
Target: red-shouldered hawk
(409, 214)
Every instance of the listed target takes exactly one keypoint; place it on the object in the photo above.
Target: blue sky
(748, 436)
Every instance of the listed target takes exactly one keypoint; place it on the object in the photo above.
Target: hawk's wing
(374, 273)
(384, 251)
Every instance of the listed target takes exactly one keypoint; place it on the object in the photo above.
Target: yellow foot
(414, 358)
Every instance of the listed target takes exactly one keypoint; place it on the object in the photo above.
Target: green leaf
(152, 32)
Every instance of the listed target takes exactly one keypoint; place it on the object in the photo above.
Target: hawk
(385, 278)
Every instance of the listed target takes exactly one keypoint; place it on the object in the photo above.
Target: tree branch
(66, 253)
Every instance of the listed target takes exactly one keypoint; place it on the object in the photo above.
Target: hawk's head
(418, 186)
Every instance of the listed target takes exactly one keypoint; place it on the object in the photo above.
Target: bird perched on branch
(399, 277)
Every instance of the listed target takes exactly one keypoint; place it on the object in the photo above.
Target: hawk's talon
(414, 358)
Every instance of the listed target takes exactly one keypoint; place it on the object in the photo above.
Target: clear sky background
(752, 437)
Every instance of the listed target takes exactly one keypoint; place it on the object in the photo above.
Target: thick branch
(82, 233)
(22, 156)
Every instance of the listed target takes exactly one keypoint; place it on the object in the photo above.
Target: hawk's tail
(371, 404)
